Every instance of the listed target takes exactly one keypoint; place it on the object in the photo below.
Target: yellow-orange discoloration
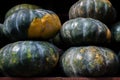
(93, 49)
(111, 56)
(35, 28)
(99, 60)
(44, 27)
(82, 50)
(108, 35)
(97, 56)
(107, 2)
(53, 59)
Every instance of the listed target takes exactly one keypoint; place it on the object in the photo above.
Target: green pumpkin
(89, 61)
(97, 9)
(115, 30)
(3, 39)
(20, 6)
(57, 40)
(85, 31)
(28, 58)
(32, 24)
(1, 30)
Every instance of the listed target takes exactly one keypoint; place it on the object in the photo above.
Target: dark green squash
(20, 6)
(2, 36)
(97, 9)
(89, 61)
(28, 58)
(1, 30)
(32, 24)
(57, 40)
(115, 30)
(85, 31)
(3, 39)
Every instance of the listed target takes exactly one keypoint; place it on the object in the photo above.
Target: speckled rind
(89, 61)
(28, 58)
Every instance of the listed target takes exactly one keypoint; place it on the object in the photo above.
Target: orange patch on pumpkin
(108, 35)
(44, 27)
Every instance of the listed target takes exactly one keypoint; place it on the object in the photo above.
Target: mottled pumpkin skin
(20, 6)
(32, 24)
(28, 58)
(97, 9)
(89, 61)
(115, 30)
(85, 31)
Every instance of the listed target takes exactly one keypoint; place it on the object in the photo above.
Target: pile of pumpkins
(37, 41)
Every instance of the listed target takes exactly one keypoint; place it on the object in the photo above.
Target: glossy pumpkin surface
(32, 24)
(1, 30)
(20, 6)
(115, 30)
(97, 9)
(3, 39)
(89, 61)
(85, 31)
(28, 58)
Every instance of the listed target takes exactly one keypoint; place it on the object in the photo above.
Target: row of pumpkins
(35, 38)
